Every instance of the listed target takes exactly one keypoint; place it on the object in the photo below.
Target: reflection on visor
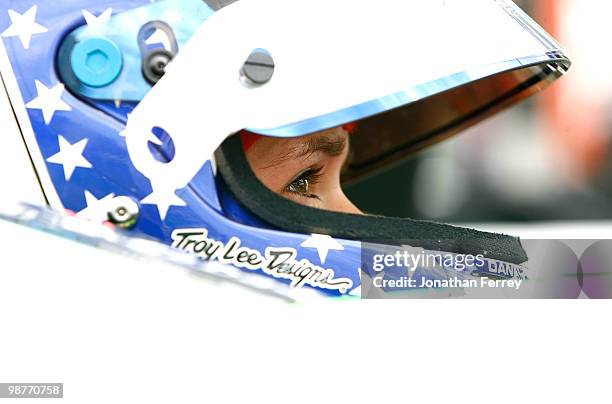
(422, 123)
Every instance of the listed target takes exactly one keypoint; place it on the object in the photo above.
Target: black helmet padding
(284, 214)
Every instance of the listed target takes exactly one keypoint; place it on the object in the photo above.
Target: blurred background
(547, 159)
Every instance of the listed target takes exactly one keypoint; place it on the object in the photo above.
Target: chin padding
(289, 216)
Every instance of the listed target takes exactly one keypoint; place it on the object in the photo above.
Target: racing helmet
(131, 112)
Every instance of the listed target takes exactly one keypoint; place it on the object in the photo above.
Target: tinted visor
(387, 137)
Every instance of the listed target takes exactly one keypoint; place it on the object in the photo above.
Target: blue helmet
(129, 110)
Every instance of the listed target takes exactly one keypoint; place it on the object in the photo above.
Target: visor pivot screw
(154, 66)
(123, 212)
(96, 62)
(258, 68)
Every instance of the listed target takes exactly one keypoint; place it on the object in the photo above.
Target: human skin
(305, 170)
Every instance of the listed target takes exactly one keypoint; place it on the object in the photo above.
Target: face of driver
(305, 170)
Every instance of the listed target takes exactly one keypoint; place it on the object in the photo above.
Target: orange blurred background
(547, 159)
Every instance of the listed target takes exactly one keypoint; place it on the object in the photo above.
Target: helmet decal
(125, 105)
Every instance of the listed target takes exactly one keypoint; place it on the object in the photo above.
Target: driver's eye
(302, 184)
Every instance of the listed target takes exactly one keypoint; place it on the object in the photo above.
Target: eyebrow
(331, 145)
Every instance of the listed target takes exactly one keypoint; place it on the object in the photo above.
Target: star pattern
(24, 26)
(163, 200)
(97, 209)
(323, 243)
(97, 21)
(70, 156)
(357, 291)
(49, 100)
